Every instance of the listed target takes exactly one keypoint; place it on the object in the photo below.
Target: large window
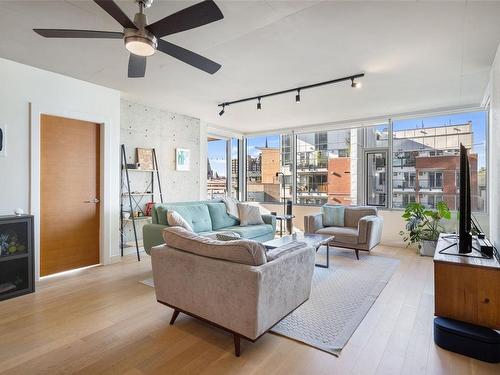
(327, 164)
(268, 159)
(235, 168)
(425, 159)
(386, 165)
(376, 143)
(216, 167)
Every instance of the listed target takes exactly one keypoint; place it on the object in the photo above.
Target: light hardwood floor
(102, 320)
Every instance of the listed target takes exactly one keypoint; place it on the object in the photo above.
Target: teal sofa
(205, 217)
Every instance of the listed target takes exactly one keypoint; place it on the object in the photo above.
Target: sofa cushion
(249, 215)
(196, 215)
(354, 213)
(176, 220)
(345, 235)
(220, 217)
(333, 215)
(240, 251)
(161, 213)
(160, 209)
(251, 231)
(231, 206)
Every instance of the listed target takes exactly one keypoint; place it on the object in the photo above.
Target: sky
(479, 121)
(217, 149)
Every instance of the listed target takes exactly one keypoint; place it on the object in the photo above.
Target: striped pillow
(333, 216)
(227, 236)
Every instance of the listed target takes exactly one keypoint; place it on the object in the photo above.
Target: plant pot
(428, 248)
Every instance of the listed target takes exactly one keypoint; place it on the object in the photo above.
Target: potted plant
(423, 226)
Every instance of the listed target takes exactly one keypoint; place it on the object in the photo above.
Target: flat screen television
(465, 220)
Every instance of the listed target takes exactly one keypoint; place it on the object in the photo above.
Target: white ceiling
(416, 56)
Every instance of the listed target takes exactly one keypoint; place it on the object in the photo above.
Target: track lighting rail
(296, 89)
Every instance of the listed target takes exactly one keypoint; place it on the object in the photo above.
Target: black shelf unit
(17, 271)
(135, 198)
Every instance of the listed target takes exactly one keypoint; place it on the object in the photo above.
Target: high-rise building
(426, 166)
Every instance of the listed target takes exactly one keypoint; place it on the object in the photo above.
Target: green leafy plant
(423, 224)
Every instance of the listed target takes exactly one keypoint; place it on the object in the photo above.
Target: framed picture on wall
(145, 158)
(182, 159)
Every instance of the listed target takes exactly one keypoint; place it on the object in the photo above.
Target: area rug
(341, 296)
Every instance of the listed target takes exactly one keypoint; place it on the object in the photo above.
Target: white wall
(55, 94)
(494, 157)
(147, 127)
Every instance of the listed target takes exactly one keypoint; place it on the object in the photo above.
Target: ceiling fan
(143, 40)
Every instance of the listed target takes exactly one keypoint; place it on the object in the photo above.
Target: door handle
(95, 200)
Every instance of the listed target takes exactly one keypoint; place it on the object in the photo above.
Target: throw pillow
(249, 215)
(231, 206)
(227, 236)
(176, 220)
(333, 216)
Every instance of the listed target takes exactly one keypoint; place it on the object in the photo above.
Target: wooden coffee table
(311, 239)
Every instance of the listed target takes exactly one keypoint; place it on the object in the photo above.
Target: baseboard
(127, 251)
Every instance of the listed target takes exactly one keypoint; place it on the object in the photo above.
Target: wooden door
(69, 194)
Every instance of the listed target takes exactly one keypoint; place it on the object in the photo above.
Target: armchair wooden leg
(174, 316)
(236, 345)
(357, 254)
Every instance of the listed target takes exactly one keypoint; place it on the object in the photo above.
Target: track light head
(259, 106)
(355, 85)
(297, 97)
(223, 110)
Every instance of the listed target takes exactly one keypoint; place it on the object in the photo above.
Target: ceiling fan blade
(194, 16)
(114, 11)
(136, 66)
(64, 33)
(188, 57)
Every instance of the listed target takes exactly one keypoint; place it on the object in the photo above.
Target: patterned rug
(341, 296)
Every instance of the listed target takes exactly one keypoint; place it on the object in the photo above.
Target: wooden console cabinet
(467, 289)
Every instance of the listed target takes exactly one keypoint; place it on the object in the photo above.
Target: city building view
(426, 166)
(263, 163)
(351, 166)
(216, 167)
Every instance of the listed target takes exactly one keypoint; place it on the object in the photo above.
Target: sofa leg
(236, 345)
(174, 316)
(357, 254)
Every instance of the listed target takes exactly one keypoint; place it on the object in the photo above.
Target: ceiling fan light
(140, 46)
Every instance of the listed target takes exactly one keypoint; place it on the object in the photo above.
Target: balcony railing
(403, 184)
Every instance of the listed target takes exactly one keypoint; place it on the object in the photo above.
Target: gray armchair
(362, 228)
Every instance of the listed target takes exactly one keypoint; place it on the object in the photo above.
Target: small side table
(285, 219)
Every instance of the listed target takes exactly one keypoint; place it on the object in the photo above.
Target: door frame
(38, 109)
